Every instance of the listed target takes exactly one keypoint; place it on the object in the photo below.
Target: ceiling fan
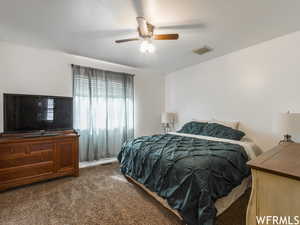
(146, 33)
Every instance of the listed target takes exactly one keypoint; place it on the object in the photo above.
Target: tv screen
(24, 113)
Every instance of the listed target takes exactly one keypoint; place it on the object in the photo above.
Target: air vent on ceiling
(202, 50)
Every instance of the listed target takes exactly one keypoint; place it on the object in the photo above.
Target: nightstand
(275, 185)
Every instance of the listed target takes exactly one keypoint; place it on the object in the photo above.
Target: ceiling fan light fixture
(147, 47)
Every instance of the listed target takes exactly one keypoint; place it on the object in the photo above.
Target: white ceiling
(89, 27)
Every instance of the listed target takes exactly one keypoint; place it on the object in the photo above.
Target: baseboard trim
(97, 162)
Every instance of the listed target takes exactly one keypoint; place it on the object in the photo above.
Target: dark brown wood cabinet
(28, 160)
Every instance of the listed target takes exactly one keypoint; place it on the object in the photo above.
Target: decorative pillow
(193, 128)
(221, 131)
(232, 124)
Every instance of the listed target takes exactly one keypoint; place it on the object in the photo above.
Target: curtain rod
(103, 70)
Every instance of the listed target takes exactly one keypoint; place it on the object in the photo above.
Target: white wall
(29, 70)
(252, 85)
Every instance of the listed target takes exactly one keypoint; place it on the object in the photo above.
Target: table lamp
(289, 125)
(167, 121)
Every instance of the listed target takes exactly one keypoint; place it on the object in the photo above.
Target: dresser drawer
(7, 175)
(25, 159)
(7, 150)
(41, 146)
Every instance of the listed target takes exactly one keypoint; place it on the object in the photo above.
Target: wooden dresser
(276, 185)
(32, 159)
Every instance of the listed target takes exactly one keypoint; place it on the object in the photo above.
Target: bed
(197, 177)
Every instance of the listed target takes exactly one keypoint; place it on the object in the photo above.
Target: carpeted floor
(99, 196)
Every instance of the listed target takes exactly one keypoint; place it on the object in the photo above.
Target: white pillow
(202, 121)
(232, 124)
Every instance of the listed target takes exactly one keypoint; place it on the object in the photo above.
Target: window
(103, 111)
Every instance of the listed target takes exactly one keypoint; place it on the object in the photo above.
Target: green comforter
(190, 173)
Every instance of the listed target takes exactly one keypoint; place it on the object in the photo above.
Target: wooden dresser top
(4, 139)
(283, 160)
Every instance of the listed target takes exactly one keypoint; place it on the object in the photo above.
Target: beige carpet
(99, 196)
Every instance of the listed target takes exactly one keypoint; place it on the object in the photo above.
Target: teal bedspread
(190, 173)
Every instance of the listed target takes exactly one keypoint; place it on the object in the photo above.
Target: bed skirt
(234, 215)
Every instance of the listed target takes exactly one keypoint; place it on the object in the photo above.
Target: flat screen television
(28, 113)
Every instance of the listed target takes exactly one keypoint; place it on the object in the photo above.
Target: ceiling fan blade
(126, 40)
(143, 28)
(98, 34)
(165, 36)
(139, 7)
(185, 26)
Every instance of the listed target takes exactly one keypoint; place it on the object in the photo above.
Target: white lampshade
(289, 123)
(167, 117)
